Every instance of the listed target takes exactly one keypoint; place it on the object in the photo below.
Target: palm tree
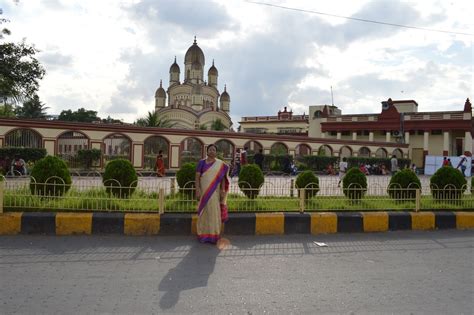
(217, 125)
(152, 120)
(32, 108)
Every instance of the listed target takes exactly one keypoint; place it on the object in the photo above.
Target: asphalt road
(382, 273)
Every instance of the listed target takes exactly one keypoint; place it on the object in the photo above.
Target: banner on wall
(434, 162)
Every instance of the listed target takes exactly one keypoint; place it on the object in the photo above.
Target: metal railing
(153, 194)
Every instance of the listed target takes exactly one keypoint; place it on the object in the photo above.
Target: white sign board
(434, 162)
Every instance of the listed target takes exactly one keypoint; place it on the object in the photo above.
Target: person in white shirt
(342, 170)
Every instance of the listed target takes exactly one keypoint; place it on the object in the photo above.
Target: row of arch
(191, 149)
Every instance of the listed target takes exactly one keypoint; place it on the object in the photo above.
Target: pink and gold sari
(212, 211)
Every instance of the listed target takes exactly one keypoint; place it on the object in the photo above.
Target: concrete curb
(278, 223)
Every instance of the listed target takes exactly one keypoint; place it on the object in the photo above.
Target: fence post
(417, 200)
(172, 185)
(292, 193)
(2, 191)
(302, 195)
(161, 200)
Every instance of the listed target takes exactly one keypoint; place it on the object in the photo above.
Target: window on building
(436, 132)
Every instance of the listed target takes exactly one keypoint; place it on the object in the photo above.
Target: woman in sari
(212, 185)
(160, 164)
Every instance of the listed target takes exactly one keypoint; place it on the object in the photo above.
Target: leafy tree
(81, 115)
(6, 111)
(20, 72)
(217, 125)
(32, 108)
(153, 120)
(4, 31)
(202, 127)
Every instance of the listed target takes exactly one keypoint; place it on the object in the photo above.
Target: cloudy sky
(110, 55)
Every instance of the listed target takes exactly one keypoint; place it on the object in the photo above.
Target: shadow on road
(192, 272)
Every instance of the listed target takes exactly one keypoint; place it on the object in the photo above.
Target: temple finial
(195, 39)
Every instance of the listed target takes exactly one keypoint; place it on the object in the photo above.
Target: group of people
(366, 169)
(462, 165)
(15, 167)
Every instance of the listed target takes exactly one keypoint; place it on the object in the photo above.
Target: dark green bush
(403, 184)
(271, 162)
(50, 177)
(317, 163)
(88, 157)
(186, 177)
(447, 183)
(27, 154)
(250, 180)
(120, 178)
(354, 184)
(308, 181)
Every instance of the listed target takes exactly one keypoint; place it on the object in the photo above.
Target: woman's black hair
(211, 145)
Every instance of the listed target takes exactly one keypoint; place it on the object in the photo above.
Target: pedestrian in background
(463, 165)
(394, 164)
(258, 159)
(160, 164)
(342, 170)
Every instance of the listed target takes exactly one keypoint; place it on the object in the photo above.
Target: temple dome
(194, 54)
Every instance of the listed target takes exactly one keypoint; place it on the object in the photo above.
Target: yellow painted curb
(141, 224)
(375, 221)
(73, 223)
(324, 222)
(422, 220)
(10, 223)
(194, 224)
(465, 220)
(269, 223)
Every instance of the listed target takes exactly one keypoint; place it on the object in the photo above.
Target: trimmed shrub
(186, 177)
(50, 177)
(472, 185)
(120, 178)
(354, 184)
(403, 184)
(250, 180)
(447, 183)
(308, 181)
(88, 157)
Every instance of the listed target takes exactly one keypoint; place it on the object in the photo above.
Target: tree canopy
(32, 108)
(217, 125)
(81, 115)
(153, 120)
(20, 71)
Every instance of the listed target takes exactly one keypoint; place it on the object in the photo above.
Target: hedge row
(320, 163)
(27, 154)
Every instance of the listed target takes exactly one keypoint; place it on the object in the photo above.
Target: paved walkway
(378, 273)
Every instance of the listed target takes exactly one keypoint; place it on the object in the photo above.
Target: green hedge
(186, 177)
(447, 184)
(27, 154)
(88, 157)
(120, 178)
(308, 181)
(403, 184)
(271, 162)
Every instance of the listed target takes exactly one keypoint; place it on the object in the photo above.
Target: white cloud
(109, 56)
